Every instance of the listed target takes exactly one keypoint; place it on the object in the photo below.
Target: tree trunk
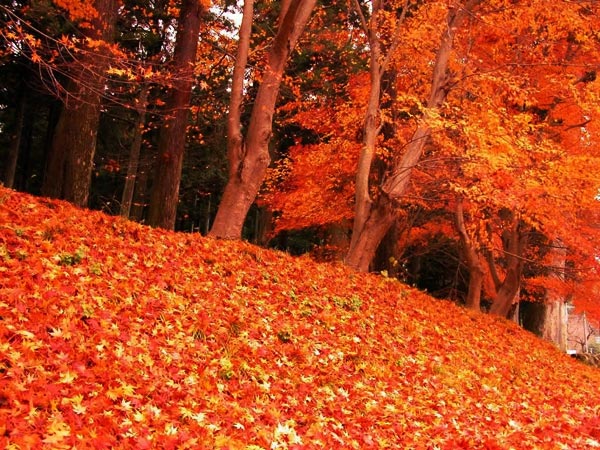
(70, 162)
(514, 241)
(555, 323)
(363, 247)
(506, 295)
(474, 261)
(249, 159)
(371, 221)
(134, 153)
(54, 169)
(140, 193)
(78, 131)
(368, 230)
(548, 319)
(15, 144)
(171, 142)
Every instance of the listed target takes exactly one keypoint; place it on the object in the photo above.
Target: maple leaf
(67, 377)
(56, 433)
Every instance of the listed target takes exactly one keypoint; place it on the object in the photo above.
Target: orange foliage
(79, 10)
(518, 131)
(313, 198)
(114, 335)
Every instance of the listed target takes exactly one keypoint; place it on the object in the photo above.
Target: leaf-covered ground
(115, 335)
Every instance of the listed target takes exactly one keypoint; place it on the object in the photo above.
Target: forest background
(453, 145)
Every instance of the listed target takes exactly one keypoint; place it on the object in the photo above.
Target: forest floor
(116, 335)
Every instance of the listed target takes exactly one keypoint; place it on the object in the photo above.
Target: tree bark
(134, 154)
(515, 242)
(548, 318)
(235, 137)
(171, 142)
(371, 222)
(374, 218)
(141, 192)
(555, 322)
(474, 261)
(10, 170)
(249, 158)
(69, 166)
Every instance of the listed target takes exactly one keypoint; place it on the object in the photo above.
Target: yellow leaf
(67, 377)
(57, 432)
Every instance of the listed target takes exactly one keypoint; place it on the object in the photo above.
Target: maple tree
(374, 217)
(529, 175)
(510, 140)
(138, 337)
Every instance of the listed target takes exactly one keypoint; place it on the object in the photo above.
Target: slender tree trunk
(140, 194)
(70, 161)
(371, 128)
(54, 169)
(134, 153)
(474, 261)
(26, 178)
(371, 221)
(235, 138)
(555, 322)
(171, 142)
(249, 158)
(515, 242)
(374, 218)
(15, 144)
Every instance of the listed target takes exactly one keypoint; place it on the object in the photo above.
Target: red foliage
(114, 335)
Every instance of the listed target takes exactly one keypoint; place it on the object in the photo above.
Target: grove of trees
(452, 144)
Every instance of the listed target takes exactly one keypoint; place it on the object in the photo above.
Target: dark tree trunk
(77, 132)
(548, 318)
(385, 256)
(69, 163)
(54, 170)
(15, 144)
(134, 154)
(141, 192)
(171, 141)
(249, 158)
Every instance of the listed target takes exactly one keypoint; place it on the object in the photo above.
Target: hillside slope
(115, 335)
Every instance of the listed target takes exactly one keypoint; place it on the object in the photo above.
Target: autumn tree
(248, 153)
(310, 186)
(528, 151)
(375, 215)
(509, 152)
